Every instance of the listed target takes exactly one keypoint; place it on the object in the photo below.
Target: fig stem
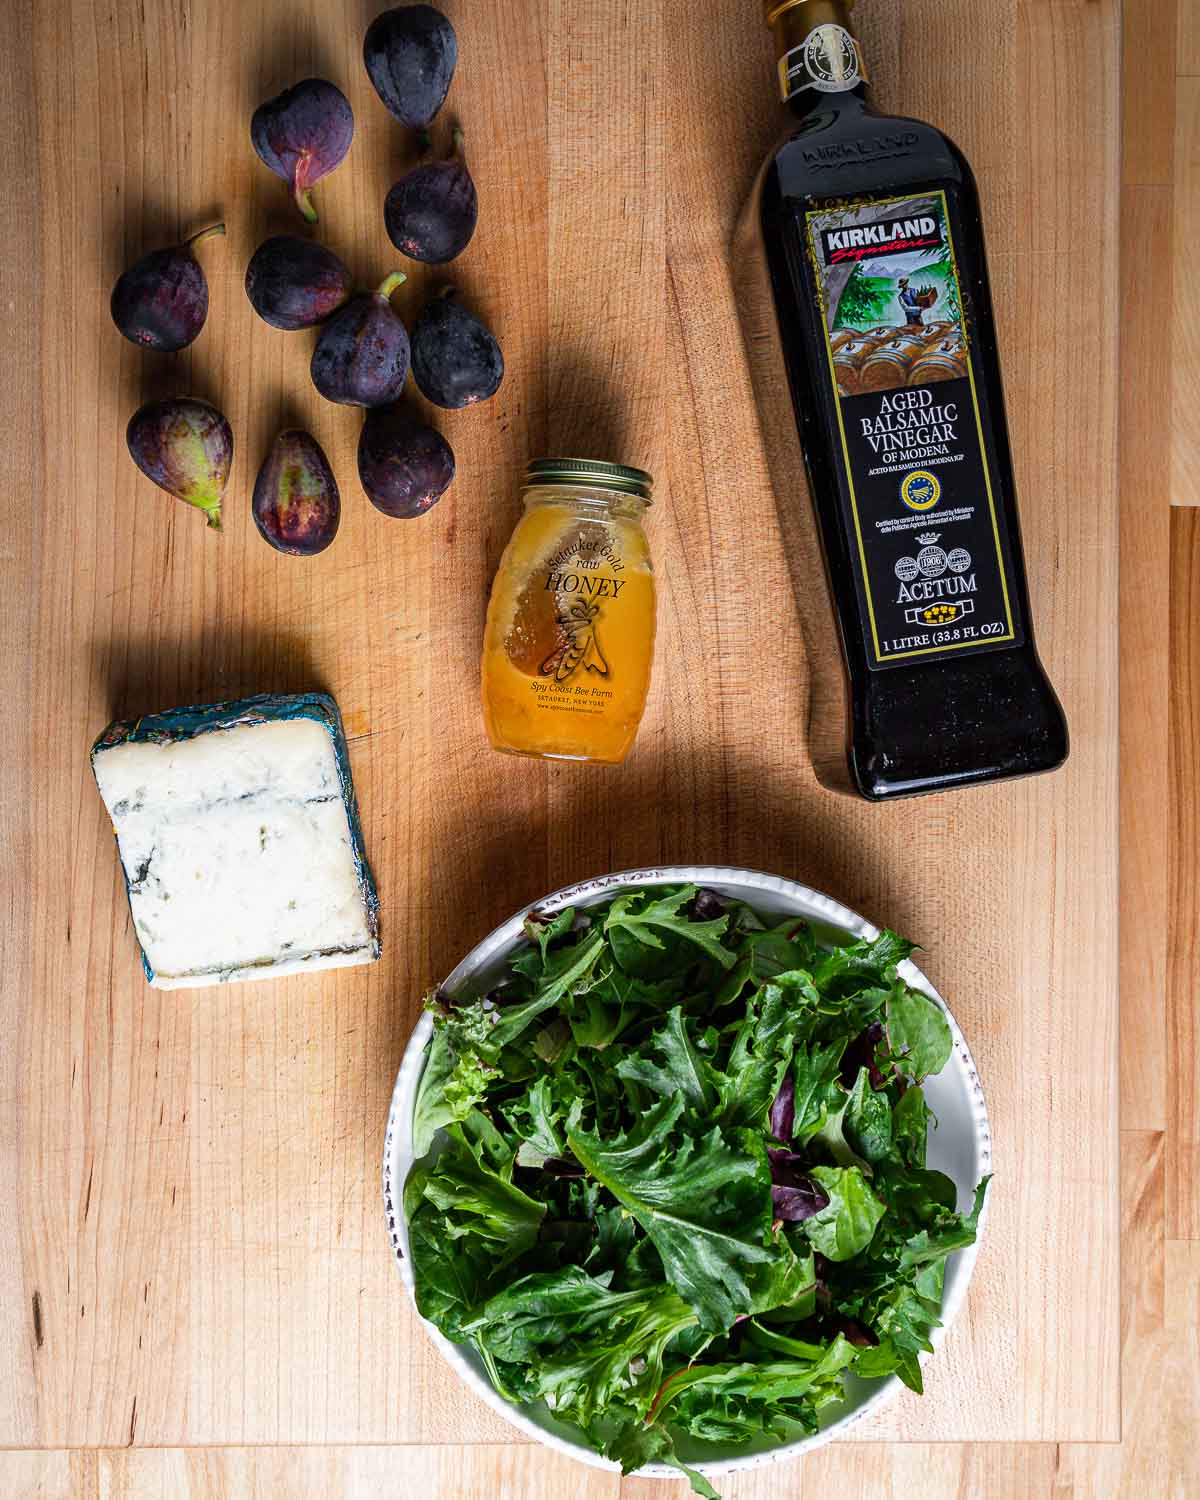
(389, 284)
(213, 516)
(304, 203)
(424, 142)
(459, 144)
(204, 234)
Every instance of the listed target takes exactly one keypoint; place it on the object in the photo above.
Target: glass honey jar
(570, 627)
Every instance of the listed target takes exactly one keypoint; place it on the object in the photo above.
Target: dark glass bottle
(868, 228)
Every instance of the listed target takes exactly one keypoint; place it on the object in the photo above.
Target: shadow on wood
(139, 677)
(588, 415)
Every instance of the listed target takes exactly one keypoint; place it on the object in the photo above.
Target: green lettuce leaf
(918, 1033)
(868, 1120)
(477, 1201)
(846, 1226)
(673, 1066)
(637, 923)
(775, 1017)
(819, 1095)
(704, 1202)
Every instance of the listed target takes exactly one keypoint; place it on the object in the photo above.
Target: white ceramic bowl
(959, 1147)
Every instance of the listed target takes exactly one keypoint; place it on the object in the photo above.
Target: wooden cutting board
(191, 1239)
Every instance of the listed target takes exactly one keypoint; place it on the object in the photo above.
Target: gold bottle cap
(775, 8)
(591, 471)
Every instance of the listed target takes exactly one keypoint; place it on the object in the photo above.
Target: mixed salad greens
(677, 1185)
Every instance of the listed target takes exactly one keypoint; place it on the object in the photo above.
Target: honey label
(931, 558)
(584, 578)
(574, 625)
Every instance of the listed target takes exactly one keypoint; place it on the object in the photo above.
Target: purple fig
(186, 447)
(431, 212)
(410, 54)
(361, 358)
(405, 466)
(161, 302)
(296, 502)
(455, 359)
(302, 134)
(294, 283)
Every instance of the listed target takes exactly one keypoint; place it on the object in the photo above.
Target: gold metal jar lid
(775, 8)
(591, 471)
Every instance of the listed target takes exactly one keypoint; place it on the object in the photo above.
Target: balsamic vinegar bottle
(862, 264)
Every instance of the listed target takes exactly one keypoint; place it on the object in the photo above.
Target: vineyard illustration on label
(579, 646)
(889, 290)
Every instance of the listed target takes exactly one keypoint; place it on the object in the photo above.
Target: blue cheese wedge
(239, 839)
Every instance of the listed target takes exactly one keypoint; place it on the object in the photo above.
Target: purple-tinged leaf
(794, 1196)
(707, 906)
(783, 1111)
(861, 1054)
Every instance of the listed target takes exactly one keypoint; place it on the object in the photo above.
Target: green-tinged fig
(405, 466)
(456, 361)
(296, 502)
(294, 283)
(302, 134)
(186, 447)
(161, 302)
(361, 358)
(410, 53)
(431, 212)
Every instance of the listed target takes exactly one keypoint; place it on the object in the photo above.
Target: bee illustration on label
(579, 646)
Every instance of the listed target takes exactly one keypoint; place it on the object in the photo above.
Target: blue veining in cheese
(239, 839)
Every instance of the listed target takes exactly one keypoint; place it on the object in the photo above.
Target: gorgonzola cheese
(238, 852)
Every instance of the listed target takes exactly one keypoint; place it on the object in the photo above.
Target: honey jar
(570, 628)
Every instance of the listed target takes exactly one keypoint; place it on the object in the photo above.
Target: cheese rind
(239, 839)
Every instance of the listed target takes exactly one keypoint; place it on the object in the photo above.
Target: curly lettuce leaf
(638, 927)
(704, 1203)
(670, 1063)
(731, 1403)
(477, 1201)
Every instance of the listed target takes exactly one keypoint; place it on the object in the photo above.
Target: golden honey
(570, 630)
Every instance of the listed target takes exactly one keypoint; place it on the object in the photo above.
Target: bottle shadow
(827, 691)
(587, 417)
(503, 858)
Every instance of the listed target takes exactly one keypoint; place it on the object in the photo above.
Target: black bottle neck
(819, 63)
(809, 105)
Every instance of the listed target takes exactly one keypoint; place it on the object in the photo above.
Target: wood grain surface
(191, 1245)
(1183, 972)
(1185, 332)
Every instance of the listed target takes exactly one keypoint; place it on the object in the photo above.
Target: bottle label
(828, 60)
(931, 556)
